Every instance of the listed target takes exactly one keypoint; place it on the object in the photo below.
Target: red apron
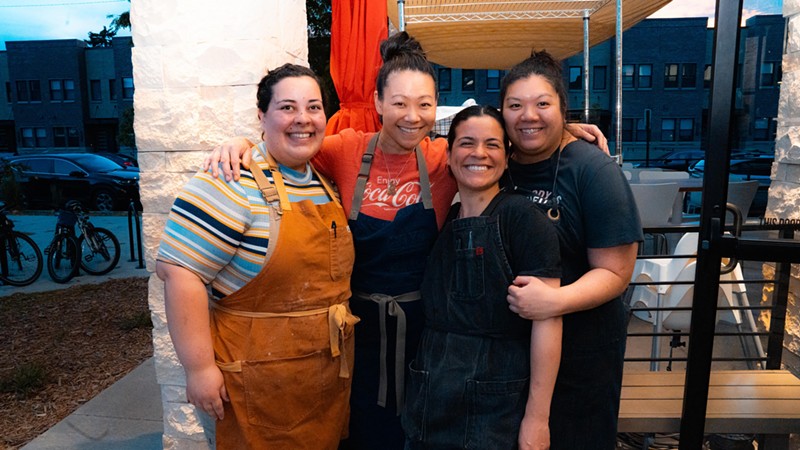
(284, 341)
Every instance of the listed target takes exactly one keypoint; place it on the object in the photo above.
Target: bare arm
(188, 318)
(534, 432)
(608, 277)
(589, 133)
(229, 155)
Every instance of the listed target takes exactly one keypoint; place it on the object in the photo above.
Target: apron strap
(390, 305)
(339, 320)
(363, 174)
(327, 185)
(267, 189)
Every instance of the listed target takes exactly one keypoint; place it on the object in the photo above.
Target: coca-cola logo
(407, 194)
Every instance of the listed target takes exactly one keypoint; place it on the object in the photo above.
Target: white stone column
(195, 67)
(784, 192)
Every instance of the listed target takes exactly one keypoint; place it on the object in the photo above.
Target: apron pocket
(468, 274)
(413, 418)
(342, 253)
(280, 394)
(495, 411)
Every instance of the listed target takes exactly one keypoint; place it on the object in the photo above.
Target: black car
(679, 160)
(127, 162)
(48, 181)
(745, 167)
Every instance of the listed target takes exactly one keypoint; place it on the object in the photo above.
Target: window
(627, 129)
(707, 77)
(668, 130)
(28, 91)
(768, 72)
(62, 90)
(599, 78)
(61, 167)
(627, 76)
(127, 88)
(641, 130)
(112, 89)
(65, 137)
(634, 130)
(575, 78)
(689, 75)
(445, 79)
(33, 137)
(95, 93)
(645, 78)
(686, 130)
(467, 79)
(493, 79)
(671, 76)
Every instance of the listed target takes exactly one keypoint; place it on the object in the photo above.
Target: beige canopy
(496, 34)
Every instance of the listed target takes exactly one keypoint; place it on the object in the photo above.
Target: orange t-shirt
(340, 159)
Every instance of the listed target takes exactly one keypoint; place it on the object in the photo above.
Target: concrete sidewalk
(127, 415)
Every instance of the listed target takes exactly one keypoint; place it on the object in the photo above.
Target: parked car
(679, 160)
(127, 162)
(48, 181)
(744, 167)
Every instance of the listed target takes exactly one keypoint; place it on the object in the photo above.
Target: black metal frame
(713, 246)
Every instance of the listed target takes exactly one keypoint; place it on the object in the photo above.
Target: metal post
(712, 218)
(618, 101)
(586, 66)
(401, 13)
(138, 240)
(131, 212)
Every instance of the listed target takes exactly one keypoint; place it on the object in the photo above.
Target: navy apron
(390, 261)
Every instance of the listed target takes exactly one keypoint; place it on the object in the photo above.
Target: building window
(95, 92)
(645, 79)
(641, 130)
(689, 75)
(707, 77)
(768, 78)
(628, 71)
(445, 79)
(686, 130)
(127, 88)
(671, 76)
(599, 78)
(467, 79)
(62, 90)
(493, 77)
(65, 137)
(575, 78)
(668, 130)
(112, 89)
(28, 91)
(33, 137)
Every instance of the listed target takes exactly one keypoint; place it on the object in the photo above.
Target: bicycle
(95, 250)
(20, 257)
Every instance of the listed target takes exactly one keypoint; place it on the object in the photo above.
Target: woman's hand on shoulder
(228, 156)
(589, 133)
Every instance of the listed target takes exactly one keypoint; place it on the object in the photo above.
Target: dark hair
(476, 111)
(274, 76)
(539, 63)
(402, 52)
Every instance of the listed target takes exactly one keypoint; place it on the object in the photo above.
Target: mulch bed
(61, 348)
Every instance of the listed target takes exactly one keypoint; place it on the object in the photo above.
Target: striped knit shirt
(220, 230)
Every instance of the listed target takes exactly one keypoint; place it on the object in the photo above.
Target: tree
(101, 39)
(318, 16)
(121, 21)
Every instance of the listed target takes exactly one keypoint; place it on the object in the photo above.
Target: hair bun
(400, 44)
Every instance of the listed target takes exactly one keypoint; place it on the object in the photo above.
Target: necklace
(391, 185)
(553, 211)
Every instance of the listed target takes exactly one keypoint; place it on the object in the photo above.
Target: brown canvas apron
(284, 341)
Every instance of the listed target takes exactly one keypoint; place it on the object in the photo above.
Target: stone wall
(784, 192)
(195, 68)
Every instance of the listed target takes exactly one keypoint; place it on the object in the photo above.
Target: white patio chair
(655, 202)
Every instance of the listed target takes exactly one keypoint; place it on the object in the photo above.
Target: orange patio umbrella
(357, 29)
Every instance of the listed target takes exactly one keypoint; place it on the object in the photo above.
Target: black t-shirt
(597, 210)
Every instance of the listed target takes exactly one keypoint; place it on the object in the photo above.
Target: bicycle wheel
(62, 261)
(99, 251)
(21, 260)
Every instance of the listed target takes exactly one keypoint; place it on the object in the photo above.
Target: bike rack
(133, 220)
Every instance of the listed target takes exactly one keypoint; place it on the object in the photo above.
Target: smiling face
(408, 108)
(294, 122)
(534, 120)
(477, 155)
